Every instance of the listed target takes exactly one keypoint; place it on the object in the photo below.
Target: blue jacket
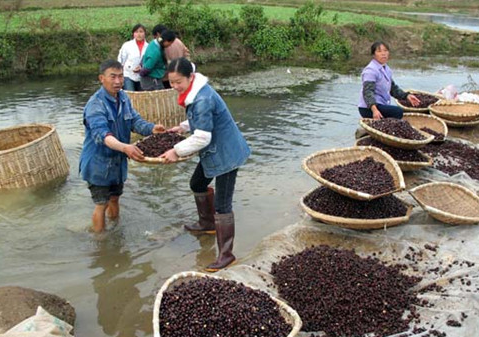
(228, 149)
(100, 165)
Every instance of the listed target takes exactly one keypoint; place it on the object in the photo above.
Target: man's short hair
(110, 64)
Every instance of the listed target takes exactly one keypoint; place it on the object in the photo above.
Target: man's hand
(158, 128)
(133, 152)
(170, 156)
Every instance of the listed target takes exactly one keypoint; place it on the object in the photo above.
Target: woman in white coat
(130, 56)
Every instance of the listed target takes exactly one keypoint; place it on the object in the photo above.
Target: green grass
(101, 18)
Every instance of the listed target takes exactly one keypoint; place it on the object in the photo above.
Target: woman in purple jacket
(378, 87)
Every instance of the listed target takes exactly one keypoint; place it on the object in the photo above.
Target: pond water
(458, 21)
(112, 279)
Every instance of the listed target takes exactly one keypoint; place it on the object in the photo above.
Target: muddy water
(112, 279)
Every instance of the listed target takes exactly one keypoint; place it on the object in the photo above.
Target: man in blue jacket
(109, 119)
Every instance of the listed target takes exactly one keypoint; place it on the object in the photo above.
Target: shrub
(305, 23)
(330, 46)
(253, 18)
(272, 42)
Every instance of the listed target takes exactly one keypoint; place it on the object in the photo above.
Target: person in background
(154, 60)
(130, 56)
(176, 50)
(222, 150)
(378, 86)
(109, 119)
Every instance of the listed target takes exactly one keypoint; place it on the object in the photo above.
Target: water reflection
(120, 306)
(457, 21)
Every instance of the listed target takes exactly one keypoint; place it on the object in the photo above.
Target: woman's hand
(170, 156)
(176, 129)
(413, 100)
(376, 113)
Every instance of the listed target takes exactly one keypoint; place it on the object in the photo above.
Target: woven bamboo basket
(419, 121)
(31, 155)
(420, 110)
(290, 315)
(448, 202)
(454, 124)
(406, 166)
(456, 112)
(402, 143)
(317, 162)
(158, 160)
(158, 106)
(353, 223)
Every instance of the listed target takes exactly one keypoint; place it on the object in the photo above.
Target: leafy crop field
(104, 18)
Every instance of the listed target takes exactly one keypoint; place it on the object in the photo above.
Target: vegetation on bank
(46, 41)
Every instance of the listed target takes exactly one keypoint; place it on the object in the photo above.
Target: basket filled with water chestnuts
(191, 304)
(158, 143)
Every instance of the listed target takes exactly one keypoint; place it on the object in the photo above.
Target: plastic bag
(449, 92)
(42, 324)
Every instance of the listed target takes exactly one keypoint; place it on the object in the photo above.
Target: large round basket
(413, 109)
(353, 223)
(317, 162)
(456, 112)
(158, 160)
(31, 155)
(406, 165)
(158, 106)
(454, 124)
(420, 121)
(448, 202)
(402, 143)
(289, 314)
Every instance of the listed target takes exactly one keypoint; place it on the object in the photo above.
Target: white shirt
(130, 57)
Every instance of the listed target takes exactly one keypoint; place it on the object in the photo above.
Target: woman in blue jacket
(222, 150)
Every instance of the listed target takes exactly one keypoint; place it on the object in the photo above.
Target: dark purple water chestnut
(158, 143)
(342, 294)
(367, 175)
(396, 153)
(214, 307)
(453, 157)
(438, 136)
(396, 127)
(426, 100)
(326, 201)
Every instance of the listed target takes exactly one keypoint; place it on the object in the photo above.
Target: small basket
(454, 124)
(288, 313)
(322, 160)
(406, 166)
(158, 106)
(158, 160)
(353, 223)
(413, 109)
(448, 202)
(402, 143)
(456, 112)
(31, 155)
(420, 121)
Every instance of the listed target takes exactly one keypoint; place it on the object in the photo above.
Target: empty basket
(448, 202)
(455, 124)
(322, 160)
(288, 313)
(31, 155)
(456, 112)
(158, 106)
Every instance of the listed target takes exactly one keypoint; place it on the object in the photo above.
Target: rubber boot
(225, 234)
(205, 204)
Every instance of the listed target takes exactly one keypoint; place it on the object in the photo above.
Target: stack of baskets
(158, 106)
(322, 160)
(31, 155)
(417, 121)
(456, 114)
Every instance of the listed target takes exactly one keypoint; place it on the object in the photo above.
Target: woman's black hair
(180, 65)
(136, 27)
(376, 46)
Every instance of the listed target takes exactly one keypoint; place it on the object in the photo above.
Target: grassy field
(94, 19)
